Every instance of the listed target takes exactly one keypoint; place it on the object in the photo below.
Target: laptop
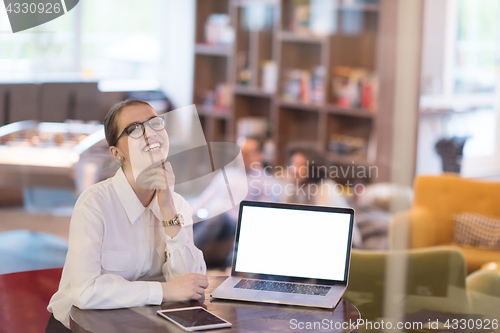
(290, 254)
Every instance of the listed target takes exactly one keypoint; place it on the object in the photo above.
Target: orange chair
(24, 297)
(437, 200)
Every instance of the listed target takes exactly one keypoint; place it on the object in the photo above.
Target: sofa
(437, 199)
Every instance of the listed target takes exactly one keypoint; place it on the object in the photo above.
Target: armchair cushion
(477, 230)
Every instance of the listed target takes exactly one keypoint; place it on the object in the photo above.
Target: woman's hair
(316, 167)
(111, 121)
(260, 141)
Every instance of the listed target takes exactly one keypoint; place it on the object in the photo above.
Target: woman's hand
(186, 287)
(160, 176)
(164, 181)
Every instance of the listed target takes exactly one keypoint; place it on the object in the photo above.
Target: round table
(245, 316)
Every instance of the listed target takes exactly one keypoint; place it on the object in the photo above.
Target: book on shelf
(317, 18)
(304, 86)
(344, 145)
(218, 30)
(298, 16)
(354, 88)
(218, 100)
(269, 76)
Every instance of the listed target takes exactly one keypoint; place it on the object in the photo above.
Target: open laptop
(290, 254)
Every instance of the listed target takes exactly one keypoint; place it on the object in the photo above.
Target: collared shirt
(118, 251)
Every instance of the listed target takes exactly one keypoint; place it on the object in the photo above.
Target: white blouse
(118, 251)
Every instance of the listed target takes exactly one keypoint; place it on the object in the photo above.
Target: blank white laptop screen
(295, 243)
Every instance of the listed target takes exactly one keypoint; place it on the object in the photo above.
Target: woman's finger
(168, 168)
(158, 176)
(202, 280)
(169, 173)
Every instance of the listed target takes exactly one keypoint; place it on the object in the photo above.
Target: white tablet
(194, 318)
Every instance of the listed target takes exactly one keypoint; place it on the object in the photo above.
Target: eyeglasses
(137, 130)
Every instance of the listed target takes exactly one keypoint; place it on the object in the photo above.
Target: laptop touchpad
(274, 296)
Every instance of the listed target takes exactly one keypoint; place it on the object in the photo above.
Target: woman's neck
(144, 195)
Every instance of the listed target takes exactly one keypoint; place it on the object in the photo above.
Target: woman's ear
(117, 155)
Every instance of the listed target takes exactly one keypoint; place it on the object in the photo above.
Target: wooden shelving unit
(287, 36)
(213, 50)
(251, 91)
(353, 112)
(294, 122)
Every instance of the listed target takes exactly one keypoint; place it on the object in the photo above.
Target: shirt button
(143, 273)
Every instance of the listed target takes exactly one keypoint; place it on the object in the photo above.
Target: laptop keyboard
(283, 287)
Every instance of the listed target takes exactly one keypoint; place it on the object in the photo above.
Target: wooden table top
(245, 316)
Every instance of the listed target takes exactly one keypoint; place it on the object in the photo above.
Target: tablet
(194, 318)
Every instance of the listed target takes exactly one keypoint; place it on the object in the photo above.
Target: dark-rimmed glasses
(136, 130)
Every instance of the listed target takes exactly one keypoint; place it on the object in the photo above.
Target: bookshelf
(307, 49)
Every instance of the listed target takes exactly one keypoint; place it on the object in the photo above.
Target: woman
(308, 175)
(125, 238)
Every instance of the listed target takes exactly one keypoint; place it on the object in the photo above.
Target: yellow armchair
(437, 200)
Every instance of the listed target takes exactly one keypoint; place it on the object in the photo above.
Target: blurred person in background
(259, 183)
(308, 176)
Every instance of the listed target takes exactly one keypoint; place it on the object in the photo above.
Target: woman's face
(151, 147)
(298, 165)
